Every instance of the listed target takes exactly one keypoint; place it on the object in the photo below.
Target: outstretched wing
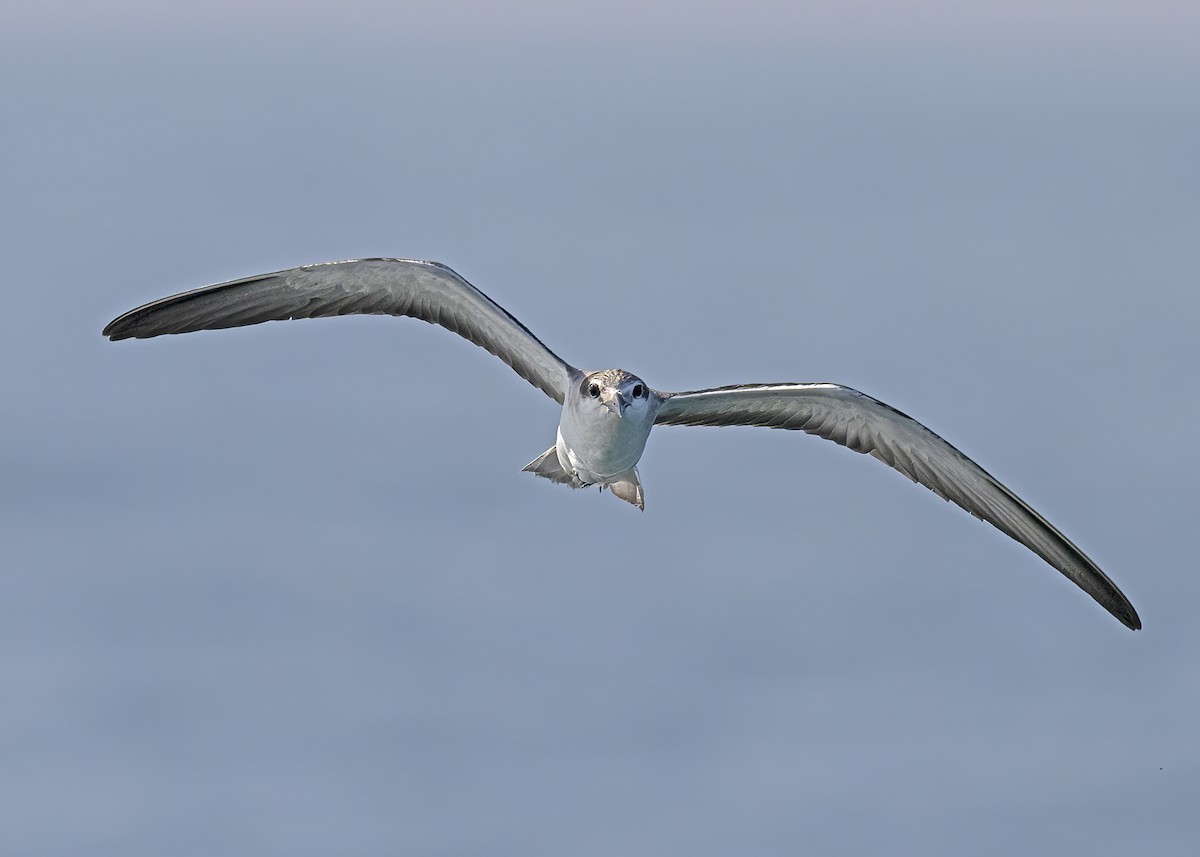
(425, 290)
(866, 425)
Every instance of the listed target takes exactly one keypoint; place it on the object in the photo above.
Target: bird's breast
(596, 449)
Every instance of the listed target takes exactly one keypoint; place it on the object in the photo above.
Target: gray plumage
(607, 415)
(403, 287)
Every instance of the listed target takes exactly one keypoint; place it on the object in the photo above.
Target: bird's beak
(616, 403)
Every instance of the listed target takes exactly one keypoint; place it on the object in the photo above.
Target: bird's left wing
(867, 425)
(404, 287)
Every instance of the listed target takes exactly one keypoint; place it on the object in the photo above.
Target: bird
(607, 414)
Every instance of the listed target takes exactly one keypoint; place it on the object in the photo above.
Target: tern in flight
(607, 415)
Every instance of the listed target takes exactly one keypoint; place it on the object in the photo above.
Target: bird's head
(615, 392)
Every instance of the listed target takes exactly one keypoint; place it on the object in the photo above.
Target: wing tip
(121, 327)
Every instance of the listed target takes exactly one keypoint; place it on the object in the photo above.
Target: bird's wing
(425, 290)
(866, 425)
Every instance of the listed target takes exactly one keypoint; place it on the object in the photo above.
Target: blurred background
(284, 591)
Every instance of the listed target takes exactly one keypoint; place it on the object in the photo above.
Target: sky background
(284, 591)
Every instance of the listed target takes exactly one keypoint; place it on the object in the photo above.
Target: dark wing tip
(1129, 617)
(131, 325)
(115, 330)
(125, 326)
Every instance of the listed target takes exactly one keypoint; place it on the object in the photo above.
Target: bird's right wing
(863, 424)
(402, 287)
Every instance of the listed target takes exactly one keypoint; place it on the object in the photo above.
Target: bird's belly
(598, 456)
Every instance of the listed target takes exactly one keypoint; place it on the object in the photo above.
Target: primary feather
(403, 287)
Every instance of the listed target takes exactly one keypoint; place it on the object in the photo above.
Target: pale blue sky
(284, 591)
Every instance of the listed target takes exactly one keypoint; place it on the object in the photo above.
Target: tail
(549, 467)
(625, 486)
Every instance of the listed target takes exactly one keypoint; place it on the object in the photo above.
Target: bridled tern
(608, 414)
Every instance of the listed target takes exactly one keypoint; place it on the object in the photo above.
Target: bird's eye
(594, 391)
(638, 391)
